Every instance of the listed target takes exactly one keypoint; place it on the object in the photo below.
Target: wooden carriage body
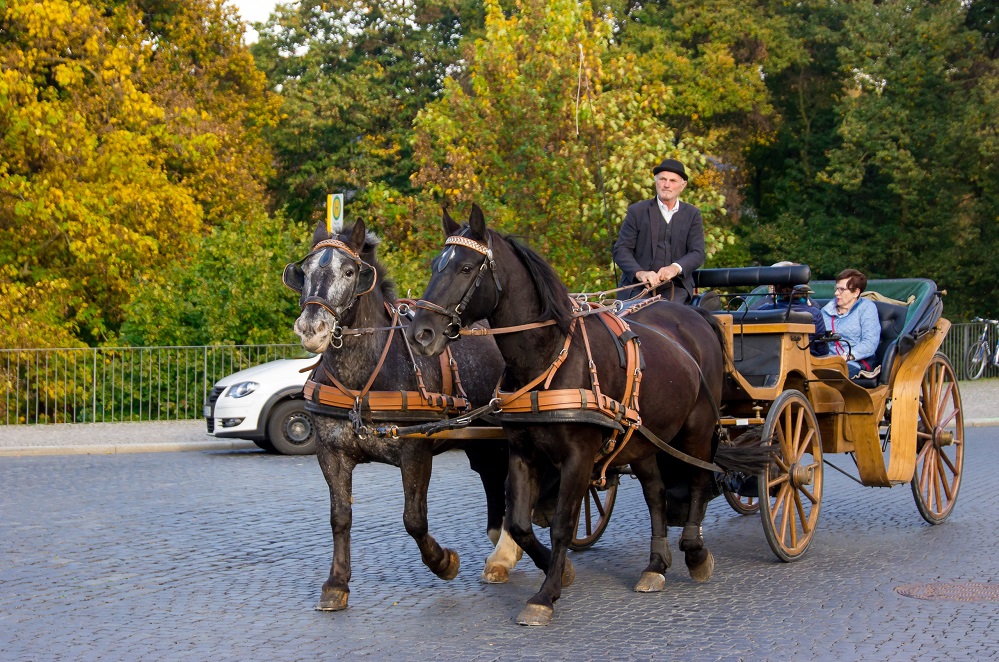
(908, 416)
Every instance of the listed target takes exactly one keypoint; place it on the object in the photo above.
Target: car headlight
(242, 389)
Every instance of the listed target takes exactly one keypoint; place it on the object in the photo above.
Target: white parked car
(264, 404)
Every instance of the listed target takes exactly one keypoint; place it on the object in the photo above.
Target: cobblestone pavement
(220, 555)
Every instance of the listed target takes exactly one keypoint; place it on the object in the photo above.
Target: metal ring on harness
(453, 330)
(336, 335)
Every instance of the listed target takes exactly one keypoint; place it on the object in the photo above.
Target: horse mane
(368, 254)
(552, 291)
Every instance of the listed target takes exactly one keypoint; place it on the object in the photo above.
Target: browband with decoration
(336, 243)
(455, 240)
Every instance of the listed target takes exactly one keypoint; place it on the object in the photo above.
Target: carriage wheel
(939, 442)
(744, 505)
(594, 514)
(791, 487)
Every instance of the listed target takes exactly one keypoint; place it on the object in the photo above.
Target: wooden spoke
(594, 516)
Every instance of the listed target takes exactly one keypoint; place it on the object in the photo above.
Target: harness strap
(678, 454)
(378, 366)
(383, 401)
(546, 375)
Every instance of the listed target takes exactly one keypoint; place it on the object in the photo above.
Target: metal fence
(108, 384)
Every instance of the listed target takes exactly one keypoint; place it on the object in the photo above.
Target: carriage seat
(892, 318)
(776, 316)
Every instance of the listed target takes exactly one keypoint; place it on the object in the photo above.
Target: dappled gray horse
(348, 311)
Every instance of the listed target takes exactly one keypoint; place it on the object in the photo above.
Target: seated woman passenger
(856, 321)
(784, 296)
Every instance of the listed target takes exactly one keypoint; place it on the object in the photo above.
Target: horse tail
(749, 454)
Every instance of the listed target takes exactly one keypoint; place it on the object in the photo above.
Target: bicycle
(980, 354)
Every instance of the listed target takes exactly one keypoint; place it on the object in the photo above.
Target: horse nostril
(320, 328)
(425, 336)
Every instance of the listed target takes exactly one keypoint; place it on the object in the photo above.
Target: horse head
(464, 285)
(330, 279)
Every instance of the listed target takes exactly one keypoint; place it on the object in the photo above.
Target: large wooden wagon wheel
(594, 514)
(939, 442)
(791, 487)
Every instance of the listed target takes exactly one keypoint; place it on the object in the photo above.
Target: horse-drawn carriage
(734, 393)
(903, 426)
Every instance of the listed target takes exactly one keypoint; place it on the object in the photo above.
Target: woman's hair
(854, 279)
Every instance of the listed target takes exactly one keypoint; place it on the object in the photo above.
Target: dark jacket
(635, 249)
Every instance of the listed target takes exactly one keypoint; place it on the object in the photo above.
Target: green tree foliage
(230, 292)
(554, 133)
(887, 158)
(352, 78)
(126, 131)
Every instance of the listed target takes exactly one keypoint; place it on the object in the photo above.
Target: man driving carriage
(661, 242)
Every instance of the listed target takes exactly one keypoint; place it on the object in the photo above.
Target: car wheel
(291, 429)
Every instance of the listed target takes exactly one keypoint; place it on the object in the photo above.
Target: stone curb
(981, 422)
(115, 449)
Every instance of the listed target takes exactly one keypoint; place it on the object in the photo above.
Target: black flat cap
(670, 165)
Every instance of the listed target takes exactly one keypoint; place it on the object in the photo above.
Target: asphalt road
(220, 555)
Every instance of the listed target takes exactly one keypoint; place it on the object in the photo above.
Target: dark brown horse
(509, 285)
(344, 289)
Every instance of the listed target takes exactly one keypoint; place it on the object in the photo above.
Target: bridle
(336, 311)
(453, 330)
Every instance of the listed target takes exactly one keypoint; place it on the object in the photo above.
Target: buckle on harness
(356, 420)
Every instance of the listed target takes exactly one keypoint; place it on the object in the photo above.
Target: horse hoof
(333, 600)
(568, 574)
(450, 567)
(703, 571)
(494, 573)
(651, 582)
(535, 615)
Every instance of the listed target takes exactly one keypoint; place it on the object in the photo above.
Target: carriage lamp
(231, 422)
(242, 389)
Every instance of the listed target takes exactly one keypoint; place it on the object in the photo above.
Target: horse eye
(466, 268)
(349, 273)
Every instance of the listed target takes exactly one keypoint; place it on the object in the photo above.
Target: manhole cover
(968, 592)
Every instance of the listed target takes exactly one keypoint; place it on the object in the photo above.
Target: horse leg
(522, 492)
(575, 470)
(491, 465)
(700, 562)
(653, 578)
(338, 469)
(416, 467)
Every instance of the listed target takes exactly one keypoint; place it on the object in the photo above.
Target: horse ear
(357, 236)
(477, 222)
(294, 277)
(450, 227)
(320, 234)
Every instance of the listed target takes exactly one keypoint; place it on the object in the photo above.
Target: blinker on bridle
(453, 329)
(326, 247)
